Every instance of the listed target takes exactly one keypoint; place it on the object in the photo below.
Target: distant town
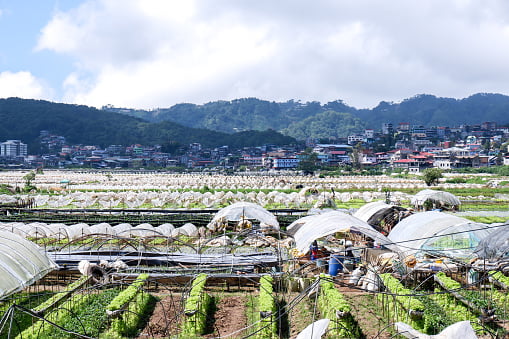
(403, 146)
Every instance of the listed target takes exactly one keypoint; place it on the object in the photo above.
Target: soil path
(230, 316)
(165, 319)
(364, 309)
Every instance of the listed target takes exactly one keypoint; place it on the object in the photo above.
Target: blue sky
(20, 25)
(157, 53)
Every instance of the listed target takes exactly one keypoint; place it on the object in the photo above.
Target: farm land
(150, 299)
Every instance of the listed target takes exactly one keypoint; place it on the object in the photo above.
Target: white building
(284, 163)
(13, 148)
(353, 139)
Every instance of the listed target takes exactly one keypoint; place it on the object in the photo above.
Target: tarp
(495, 245)
(374, 212)
(366, 211)
(438, 232)
(462, 329)
(321, 225)
(246, 210)
(314, 330)
(444, 198)
(21, 263)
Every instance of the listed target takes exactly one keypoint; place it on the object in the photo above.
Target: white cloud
(155, 53)
(23, 85)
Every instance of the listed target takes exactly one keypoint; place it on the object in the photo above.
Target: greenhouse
(496, 245)
(321, 225)
(40, 230)
(438, 233)
(433, 199)
(245, 211)
(380, 215)
(21, 263)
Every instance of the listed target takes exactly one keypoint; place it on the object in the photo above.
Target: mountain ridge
(287, 117)
(24, 119)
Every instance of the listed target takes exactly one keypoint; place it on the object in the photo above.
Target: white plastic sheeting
(314, 330)
(166, 229)
(75, 231)
(144, 230)
(438, 232)
(245, 210)
(496, 244)
(21, 263)
(297, 224)
(366, 211)
(189, 229)
(462, 329)
(102, 228)
(444, 198)
(123, 229)
(321, 225)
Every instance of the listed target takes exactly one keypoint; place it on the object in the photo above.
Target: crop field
(144, 255)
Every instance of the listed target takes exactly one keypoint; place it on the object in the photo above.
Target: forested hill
(23, 119)
(312, 119)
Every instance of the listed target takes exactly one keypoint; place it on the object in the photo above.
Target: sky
(149, 54)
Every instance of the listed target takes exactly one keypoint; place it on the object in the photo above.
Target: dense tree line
(301, 120)
(24, 119)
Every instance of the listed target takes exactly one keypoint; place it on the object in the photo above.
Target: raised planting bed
(129, 310)
(414, 307)
(333, 306)
(196, 308)
(267, 306)
(499, 279)
(77, 315)
(13, 317)
(401, 304)
(461, 304)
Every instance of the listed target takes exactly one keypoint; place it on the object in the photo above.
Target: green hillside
(24, 119)
(301, 120)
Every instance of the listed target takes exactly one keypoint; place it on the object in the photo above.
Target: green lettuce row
(473, 299)
(61, 315)
(57, 298)
(267, 327)
(129, 322)
(333, 306)
(455, 310)
(499, 276)
(90, 319)
(128, 294)
(21, 319)
(131, 305)
(449, 283)
(403, 294)
(434, 317)
(402, 304)
(472, 302)
(196, 308)
(500, 299)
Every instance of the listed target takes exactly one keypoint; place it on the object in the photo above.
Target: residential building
(285, 163)
(354, 139)
(13, 149)
(387, 128)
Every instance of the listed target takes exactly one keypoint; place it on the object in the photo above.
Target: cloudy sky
(157, 53)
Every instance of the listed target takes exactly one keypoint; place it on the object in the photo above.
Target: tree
(431, 176)
(308, 161)
(356, 156)
(29, 177)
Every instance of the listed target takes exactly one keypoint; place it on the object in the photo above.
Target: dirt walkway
(166, 318)
(230, 316)
(364, 309)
